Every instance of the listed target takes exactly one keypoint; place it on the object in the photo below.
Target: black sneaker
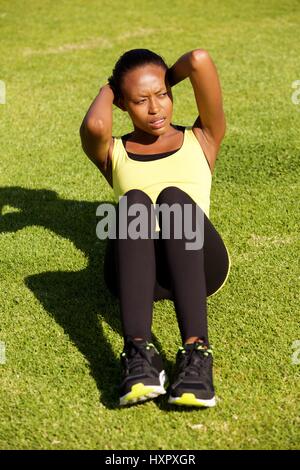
(144, 377)
(194, 383)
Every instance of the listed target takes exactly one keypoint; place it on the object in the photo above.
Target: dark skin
(147, 95)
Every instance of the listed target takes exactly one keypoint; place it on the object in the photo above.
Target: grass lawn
(59, 323)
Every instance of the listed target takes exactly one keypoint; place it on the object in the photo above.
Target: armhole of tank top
(195, 137)
(113, 160)
(114, 152)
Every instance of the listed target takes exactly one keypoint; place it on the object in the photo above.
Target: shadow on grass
(73, 299)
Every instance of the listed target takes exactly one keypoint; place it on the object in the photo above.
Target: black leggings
(144, 270)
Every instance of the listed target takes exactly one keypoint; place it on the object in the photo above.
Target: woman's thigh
(162, 288)
(216, 258)
(216, 265)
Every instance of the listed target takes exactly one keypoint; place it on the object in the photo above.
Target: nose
(153, 107)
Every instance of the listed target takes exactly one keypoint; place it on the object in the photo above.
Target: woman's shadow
(74, 299)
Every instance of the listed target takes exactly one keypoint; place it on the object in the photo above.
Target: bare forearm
(182, 68)
(100, 112)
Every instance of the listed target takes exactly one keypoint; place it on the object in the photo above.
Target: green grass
(59, 323)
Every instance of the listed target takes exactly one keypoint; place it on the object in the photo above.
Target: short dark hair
(130, 60)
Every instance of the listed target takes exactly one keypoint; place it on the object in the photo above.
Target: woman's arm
(199, 67)
(180, 70)
(96, 128)
(101, 108)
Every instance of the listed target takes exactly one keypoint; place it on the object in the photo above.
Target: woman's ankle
(193, 339)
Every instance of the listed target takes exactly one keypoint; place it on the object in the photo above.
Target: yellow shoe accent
(139, 390)
(189, 399)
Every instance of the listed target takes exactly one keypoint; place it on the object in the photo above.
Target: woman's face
(148, 98)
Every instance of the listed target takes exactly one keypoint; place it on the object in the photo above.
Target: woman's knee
(172, 194)
(142, 215)
(135, 196)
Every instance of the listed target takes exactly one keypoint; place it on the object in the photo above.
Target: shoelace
(193, 363)
(140, 355)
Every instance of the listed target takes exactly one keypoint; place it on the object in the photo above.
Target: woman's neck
(144, 138)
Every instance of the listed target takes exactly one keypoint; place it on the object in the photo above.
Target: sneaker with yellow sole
(144, 377)
(194, 379)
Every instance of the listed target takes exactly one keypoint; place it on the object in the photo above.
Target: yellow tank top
(188, 169)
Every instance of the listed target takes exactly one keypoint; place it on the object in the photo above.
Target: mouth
(158, 122)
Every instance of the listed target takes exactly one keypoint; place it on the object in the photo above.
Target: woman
(161, 163)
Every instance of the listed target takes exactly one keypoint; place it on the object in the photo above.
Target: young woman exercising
(161, 163)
